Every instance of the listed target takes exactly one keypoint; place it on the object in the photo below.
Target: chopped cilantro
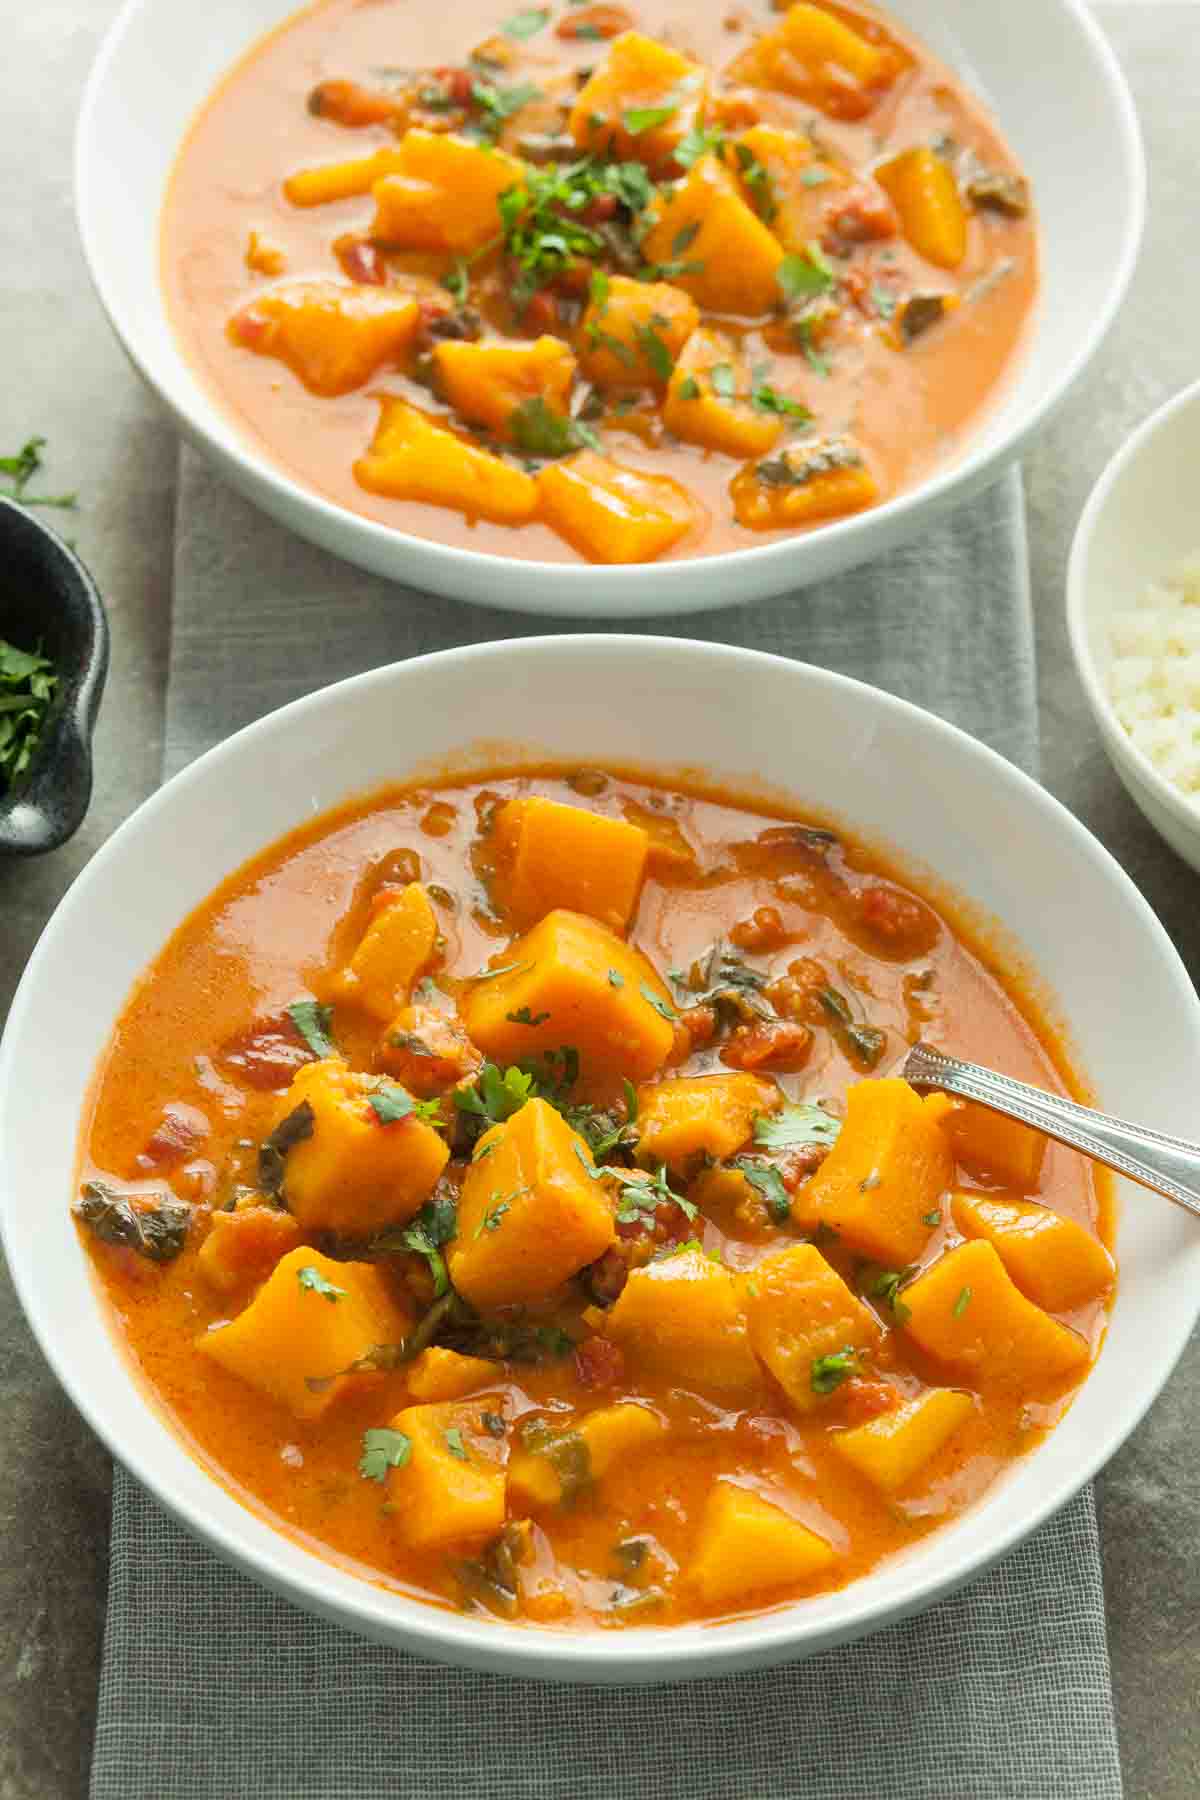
(685, 237)
(523, 1016)
(539, 431)
(795, 1125)
(492, 1423)
(767, 399)
(383, 1449)
(391, 1103)
(494, 1211)
(311, 1019)
(312, 1279)
(723, 380)
(598, 288)
(638, 119)
(696, 143)
(758, 182)
(886, 1286)
(804, 274)
(689, 388)
(454, 1443)
(932, 1218)
(497, 1094)
(615, 978)
(527, 24)
(660, 1006)
(28, 683)
(21, 470)
(814, 177)
(504, 969)
(829, 1372)
(961, 1304)
(765, 1177)
(654, 348)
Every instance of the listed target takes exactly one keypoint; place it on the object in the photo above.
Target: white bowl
(1064, 107)
(1142, 517)
(897, 774)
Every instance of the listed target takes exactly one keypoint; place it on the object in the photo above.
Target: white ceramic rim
(970, 471)
(684, 1652)
(1120, 745)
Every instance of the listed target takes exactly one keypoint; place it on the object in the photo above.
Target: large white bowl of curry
(1009, 956)
(878, 249)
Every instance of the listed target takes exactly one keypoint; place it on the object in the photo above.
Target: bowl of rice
(1133, 614)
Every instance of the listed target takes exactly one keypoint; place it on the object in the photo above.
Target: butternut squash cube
(816, 57)
(558, 855)
(307, 1324)
(967, 1313)
(531, 1212)
(614, 514)
(786, 182)
(396, 947)
(799, 1310)
(1053, 1260)
(452, 1486)
(343, 180)
(698, 1115)
(332, 336)
(885, 1175)
(242, 1247)
(639, 103)
(488, 383)
(737, 254)
(439, 1374)
(353, 1173)
(890, 1449)
(557, 1466)
(709, 400)
(803, 484)
(633, 331)
(572, 981)
(996, 1149)
(682, 1317)
(922, 188)
(443, 195)
(411, 458)
(746, 1546)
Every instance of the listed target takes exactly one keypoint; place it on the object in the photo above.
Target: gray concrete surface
(65, 378)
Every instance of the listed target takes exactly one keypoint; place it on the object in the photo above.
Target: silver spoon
(1169, 1165)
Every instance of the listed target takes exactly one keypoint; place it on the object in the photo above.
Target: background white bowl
(1043, 67)
(1141, 518)
(895, 773)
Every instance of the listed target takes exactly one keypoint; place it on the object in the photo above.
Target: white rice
(1154, 676)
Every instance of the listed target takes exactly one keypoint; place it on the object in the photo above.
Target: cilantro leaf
(829, 1372)
(660, 1006)
(767, 399)
(539, 431)
(961, 1304)
(455, 1445)
(795, 1125)
(765, 1177)
(527, 24)
(312, 1279)
(383, 1449)
(723, 380)
(696, 143)
(28, 684)
(654, 348)
(312, 1021)
(638, 119)
(390, 1103)
(497, 1094)
(804, 274)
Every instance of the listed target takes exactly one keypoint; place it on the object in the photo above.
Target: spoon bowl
(48, 600)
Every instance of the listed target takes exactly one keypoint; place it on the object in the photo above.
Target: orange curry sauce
(836, 346)
(194, 1079)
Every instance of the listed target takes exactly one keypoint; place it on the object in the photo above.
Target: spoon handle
(1169, 1165)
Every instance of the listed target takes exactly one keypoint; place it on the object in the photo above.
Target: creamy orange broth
(908, 410)
(282, 925)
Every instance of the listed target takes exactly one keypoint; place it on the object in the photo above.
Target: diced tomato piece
(905, 925)
(591, 22)
(348, 103)
(770, 1044)
(176, 1135)
(599, 1362)
(266, 1056)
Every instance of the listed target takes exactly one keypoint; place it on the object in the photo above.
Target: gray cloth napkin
(213, 1688)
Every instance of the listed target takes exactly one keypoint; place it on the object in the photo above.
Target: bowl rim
(682, 1652)
(1121, 747)
(971, 467)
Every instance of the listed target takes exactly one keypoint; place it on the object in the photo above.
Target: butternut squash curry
(608, 284)
(502, 1189)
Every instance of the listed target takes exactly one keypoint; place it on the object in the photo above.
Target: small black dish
(47, 598)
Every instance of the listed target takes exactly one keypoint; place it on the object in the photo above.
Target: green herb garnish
(961, 1304)
(391, 1103)
(829, 1372)
(28, 684)
(804, 275)
(315, 1282)
(21, 470)
(527, 24)
(312, 1021)
(794, 1126)
(769, 1183)
(660, 1006)
(382, 1450)
(539, 431)
(454, 1443)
